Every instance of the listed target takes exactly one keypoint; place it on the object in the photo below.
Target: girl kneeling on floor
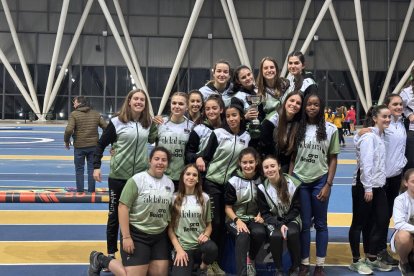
(144, 212)
(190, 226)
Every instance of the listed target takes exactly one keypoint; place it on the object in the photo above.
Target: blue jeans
(79, 159)
(313, 207)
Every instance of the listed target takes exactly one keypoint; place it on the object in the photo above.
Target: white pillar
(232, 31)
(19, 84)
(363, 52)
(296, 35)
(121, 46)
(238, 32)
(134, 58)
(181, 52)
(69, 54)
(22, 60)
(55, 55)
(348, 58)
(403, 79)
(396, 52)
(315, 26)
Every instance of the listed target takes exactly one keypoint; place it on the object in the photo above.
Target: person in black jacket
(279, 205)
(243, 218)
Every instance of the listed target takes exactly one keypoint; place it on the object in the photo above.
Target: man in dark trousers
(83, 127)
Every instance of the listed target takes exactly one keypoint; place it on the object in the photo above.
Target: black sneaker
(387, 258)
(94, 265)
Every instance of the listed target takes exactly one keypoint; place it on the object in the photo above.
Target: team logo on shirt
(168, 188)
(242, 141)
(186, 131)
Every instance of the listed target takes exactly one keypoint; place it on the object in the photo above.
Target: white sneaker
(361, 267)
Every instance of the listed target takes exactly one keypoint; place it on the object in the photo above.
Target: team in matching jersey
(216, 173)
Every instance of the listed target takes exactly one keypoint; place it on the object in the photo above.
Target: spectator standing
(351, 117)
(83, 126)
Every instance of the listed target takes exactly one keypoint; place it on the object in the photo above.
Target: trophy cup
(254, 101)
(254, 125)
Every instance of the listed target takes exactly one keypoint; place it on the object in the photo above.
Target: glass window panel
(92, 80)
(110, 81)
(198, 77)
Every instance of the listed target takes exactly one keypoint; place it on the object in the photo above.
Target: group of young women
(384, 153)
(207, 175)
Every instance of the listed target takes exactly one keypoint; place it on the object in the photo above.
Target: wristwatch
(235, 219)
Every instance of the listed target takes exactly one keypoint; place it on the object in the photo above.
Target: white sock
(320, 261)
(305, 261)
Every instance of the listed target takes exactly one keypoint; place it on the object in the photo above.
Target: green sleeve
(153, 133)
(129, 193)
(334, 144)
(208, 211)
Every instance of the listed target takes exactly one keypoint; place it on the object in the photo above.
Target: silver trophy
(254, 101)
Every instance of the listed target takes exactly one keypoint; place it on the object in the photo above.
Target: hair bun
(237, 103)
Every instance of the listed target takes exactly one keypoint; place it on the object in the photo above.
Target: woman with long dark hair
(314, 164)
(270, 86)
(278, 201)
(190, 226)
(278, 133)
(369, 208)
(299, 79)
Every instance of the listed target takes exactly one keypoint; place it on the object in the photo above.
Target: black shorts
(147, 248)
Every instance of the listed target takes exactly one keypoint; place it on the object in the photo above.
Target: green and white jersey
(193, 221)
(241, 194)
(174, 137)
(224, 160)
(130, 147)
(271, 103)
(277, 207)
(311, 161)
(203, 133)
(149, 201)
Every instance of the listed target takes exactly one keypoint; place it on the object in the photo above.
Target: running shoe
(385, 257)
(378, 265)
(94, 265)
(217, 269)
(361, 267)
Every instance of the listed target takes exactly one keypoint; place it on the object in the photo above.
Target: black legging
(112, 227)
(207, 252)
(341, 135)
(293, 244)
(247, 243)
(392, 189)
(216, 194)
(370, 218)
